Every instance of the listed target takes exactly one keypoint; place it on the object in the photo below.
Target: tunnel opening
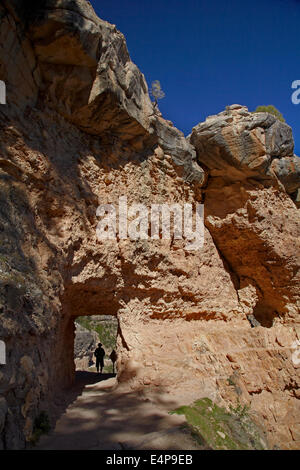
(90, 331)
(89, 317)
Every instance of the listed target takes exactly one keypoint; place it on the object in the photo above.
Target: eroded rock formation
(85, 343)
(79, 130)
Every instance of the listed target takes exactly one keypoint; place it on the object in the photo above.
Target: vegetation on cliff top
(270, 109)
(156, 91)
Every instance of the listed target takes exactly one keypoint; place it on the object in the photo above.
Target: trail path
(103, 417)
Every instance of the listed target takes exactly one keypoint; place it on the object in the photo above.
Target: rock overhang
(239, 144)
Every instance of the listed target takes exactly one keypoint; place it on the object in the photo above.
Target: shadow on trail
(83, 378)
(69, 395)
(105, 417)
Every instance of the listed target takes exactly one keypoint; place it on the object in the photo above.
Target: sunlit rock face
(254, 223)
(78, 131)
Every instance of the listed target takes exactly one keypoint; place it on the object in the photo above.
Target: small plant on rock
(41, 426)
(156, 91)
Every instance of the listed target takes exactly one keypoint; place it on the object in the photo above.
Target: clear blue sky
(208, 54)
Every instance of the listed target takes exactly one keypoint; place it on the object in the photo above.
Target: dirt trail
(102, 416)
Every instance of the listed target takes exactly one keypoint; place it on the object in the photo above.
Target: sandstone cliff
(79, 130)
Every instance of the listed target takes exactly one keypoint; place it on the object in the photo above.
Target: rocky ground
(105, 417)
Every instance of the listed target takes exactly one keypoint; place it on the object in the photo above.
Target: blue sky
(208, 54)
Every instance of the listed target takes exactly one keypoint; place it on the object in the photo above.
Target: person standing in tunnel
(99, 354)
(113, 358)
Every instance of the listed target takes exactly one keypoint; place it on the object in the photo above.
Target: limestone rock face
(79, 130)
(79, 52)
(238, 145)
(287, 170)
(245, 209)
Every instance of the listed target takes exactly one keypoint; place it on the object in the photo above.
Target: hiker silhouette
(99, 354)
(113, 358)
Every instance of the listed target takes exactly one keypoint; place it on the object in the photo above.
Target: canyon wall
(79, 130)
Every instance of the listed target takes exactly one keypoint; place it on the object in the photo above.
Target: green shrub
(270, 109)
(240, 410)
(41, 426)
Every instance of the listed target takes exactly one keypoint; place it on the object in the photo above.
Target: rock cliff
(79, 130)
(85, 343)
